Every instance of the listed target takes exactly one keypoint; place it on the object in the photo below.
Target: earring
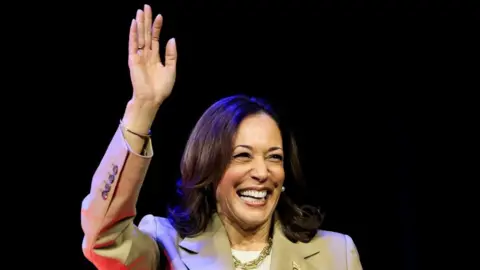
(283, 188)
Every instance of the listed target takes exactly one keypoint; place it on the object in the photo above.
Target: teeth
(254, 193)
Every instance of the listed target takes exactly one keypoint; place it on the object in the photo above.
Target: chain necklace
(253, 263)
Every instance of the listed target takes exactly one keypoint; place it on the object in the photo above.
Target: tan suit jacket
(112, 241)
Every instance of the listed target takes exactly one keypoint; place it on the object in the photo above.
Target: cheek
(230, 180)
(234, 176)
(222, 190)
(277, 175)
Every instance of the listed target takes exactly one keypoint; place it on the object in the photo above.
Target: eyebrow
(251, 148)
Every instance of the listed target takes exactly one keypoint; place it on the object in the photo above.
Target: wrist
(139, 115)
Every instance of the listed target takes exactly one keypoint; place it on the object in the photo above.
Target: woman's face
(251, 185)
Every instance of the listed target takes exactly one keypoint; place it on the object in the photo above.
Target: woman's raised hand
(152, 81)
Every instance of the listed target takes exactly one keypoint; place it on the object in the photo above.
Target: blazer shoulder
(331, 235)
(159, 228)
(339, 246)
(334, 241)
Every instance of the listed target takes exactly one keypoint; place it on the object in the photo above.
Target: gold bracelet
(143, 136)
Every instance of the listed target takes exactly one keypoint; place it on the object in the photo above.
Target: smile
(254, 197)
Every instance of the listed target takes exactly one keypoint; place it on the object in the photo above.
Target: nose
(259, 170)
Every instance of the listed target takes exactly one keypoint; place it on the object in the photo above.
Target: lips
(254, 194)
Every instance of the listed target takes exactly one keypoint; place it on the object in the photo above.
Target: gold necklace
(253, 263)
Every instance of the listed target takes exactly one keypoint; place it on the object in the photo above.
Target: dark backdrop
(359, 81)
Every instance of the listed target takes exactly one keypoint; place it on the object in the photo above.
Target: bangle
(143, 136)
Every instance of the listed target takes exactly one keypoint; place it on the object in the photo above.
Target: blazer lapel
(289, 255)
(209, 250)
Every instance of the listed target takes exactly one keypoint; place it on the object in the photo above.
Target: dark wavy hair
(206, 156)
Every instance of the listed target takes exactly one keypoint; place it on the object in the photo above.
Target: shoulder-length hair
(206, 157)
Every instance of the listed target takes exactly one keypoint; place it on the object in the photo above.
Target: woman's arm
(353, 259)
(111, 239)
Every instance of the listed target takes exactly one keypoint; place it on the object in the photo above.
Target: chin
(252, 220)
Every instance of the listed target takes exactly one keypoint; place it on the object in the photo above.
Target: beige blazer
(112, 241)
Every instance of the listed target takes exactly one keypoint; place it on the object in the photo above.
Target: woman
(237, 169)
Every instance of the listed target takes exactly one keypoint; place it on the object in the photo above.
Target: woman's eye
(242, 155)
(279, 157)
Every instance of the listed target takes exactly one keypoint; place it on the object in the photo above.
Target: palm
(151, 80)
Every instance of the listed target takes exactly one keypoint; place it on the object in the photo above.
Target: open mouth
(256, 197)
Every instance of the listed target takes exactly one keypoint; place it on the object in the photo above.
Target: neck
(248, 239)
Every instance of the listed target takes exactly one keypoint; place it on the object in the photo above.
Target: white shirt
(246, 256)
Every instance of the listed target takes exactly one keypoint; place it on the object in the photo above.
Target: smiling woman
(239, 171)
(233, 166)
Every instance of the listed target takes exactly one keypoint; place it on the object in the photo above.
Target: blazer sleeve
(111, 240)
(353, 259)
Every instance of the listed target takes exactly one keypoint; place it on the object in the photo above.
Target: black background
(375, 92)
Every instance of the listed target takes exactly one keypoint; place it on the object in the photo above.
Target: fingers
(132, 39)
(144, 34)
(171, 54)
(157, 26)
(140, 29)
(148, 25)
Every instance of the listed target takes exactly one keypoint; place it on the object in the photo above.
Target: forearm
(115, 184)
(119, 176)
(138, 118)
(109, 209)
